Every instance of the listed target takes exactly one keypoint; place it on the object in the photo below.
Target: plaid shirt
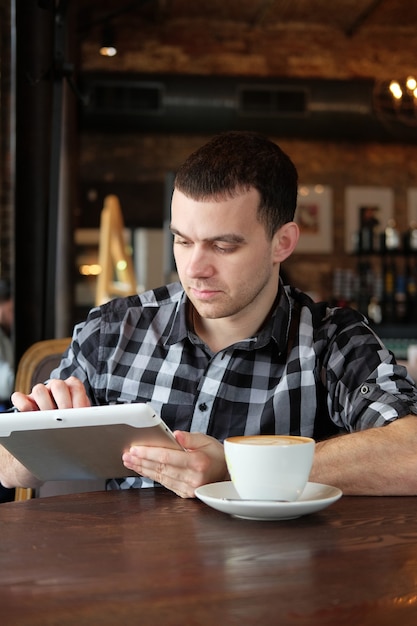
(311, 370)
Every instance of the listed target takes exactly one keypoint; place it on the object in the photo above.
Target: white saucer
(314, 498)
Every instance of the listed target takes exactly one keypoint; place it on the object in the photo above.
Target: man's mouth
(204, 293)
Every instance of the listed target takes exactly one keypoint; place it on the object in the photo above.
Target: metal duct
(313, 109)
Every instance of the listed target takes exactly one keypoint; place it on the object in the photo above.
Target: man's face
(224, 258)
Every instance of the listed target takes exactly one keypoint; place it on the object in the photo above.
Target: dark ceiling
(346, 17)
(338, 56)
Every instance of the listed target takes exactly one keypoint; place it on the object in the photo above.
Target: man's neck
(220, 333)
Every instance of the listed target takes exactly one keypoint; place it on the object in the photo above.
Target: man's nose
(199, 263)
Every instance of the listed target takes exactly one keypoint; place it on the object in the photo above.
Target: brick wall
(137, 163)
(191, 46)
(135, 158)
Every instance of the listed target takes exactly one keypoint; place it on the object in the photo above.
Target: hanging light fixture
(395, 89)
(108, 46)
(396, 101)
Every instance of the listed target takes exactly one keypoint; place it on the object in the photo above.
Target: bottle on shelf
(366, 240)
(410, 239)
(390, 238)
(368, 234)
(400, 299)
(411, 289)
(386, 273)
(389, 278)
(374, 310)
(365, 276)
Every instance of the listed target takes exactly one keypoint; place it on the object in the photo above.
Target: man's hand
(202, 462)
(61, 394)
(56, 394)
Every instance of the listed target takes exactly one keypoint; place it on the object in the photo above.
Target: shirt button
(364, 389)
(203, 406)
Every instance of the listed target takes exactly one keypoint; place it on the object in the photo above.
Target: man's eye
(225, 249)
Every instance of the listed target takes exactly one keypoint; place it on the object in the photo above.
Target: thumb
(191, 441)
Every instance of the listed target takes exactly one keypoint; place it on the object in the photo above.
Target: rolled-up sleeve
(366, 387)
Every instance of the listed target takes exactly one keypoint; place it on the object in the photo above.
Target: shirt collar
(179, 329)
(276, 328)
(278, 324)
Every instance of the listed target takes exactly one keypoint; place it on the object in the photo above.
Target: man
(231, 351)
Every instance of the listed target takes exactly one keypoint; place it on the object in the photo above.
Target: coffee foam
(269, 440)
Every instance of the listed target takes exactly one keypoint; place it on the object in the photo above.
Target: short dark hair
(234, 162)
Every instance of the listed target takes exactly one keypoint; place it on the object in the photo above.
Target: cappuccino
(270, 440)
(269, 467)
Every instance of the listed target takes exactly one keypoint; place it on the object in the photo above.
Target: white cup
(269, 467)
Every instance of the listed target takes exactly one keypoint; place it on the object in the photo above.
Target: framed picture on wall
(314, 217)
(369, 207)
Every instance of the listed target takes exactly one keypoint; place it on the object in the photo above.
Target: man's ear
(285, 241)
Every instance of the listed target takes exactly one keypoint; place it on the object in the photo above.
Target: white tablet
(77, 444)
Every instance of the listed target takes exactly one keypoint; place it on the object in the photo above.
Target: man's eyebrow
(226, 237)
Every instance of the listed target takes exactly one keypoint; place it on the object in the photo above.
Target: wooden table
(148, 557)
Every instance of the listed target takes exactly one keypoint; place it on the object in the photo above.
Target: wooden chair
(34, 367)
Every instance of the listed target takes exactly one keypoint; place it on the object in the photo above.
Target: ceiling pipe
(308, 109)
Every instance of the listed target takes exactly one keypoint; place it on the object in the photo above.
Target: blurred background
(103, 97)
